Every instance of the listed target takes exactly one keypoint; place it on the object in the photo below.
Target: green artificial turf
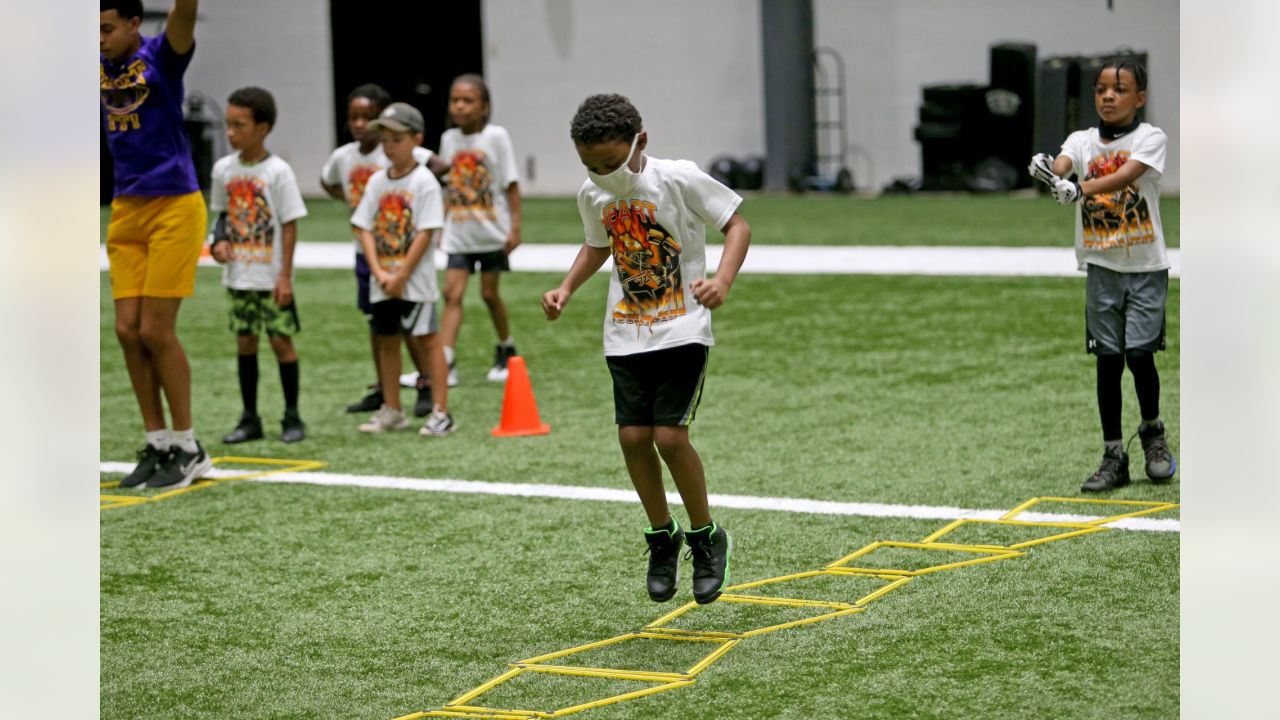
(257, 600)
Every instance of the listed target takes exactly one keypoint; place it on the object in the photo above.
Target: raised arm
(180, 29)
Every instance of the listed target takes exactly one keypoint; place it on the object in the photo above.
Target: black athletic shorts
(495, 261)
(662, 387)
(395, 317)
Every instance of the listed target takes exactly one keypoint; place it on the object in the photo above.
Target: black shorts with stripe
(661, 387)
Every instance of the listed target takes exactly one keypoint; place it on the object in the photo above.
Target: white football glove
(1041, 168)
(1066, 191)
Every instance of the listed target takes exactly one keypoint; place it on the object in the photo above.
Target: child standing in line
(343, 177)
(482, 220)
(1120, 245)
(650, 216)
(256, 198)
(397, 218)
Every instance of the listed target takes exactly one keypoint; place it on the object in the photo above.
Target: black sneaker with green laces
(1111, 474)
(1161, 464)
(149, 460)
(664, 561)
(710, 548)
(180, 468)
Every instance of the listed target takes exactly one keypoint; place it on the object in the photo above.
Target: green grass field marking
(661, 630)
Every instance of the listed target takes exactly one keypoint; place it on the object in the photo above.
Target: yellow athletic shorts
(153, 244)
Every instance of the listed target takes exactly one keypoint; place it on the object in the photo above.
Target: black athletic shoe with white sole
(181, 468)
(1111, 474)
(150, 458)
(422, 406)
(249, 428)
(292, 429)
(664, 561)
(710, 548)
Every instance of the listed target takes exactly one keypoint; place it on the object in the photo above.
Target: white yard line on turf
(788, 259)
(740, 502)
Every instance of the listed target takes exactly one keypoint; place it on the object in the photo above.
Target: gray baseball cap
(401, 117)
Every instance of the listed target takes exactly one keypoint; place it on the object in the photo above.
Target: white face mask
(621, 180)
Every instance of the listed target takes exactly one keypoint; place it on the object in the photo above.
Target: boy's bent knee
(671, 438)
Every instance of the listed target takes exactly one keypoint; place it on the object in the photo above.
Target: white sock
(158, 439)
(510, 342)
(448, 355)
(185, 439)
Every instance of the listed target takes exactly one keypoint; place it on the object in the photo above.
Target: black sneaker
(501, 354)
(1112, 474)
(149, 460)
(292, 428)
(664, 561)
(1161, 464)
(181, 468)
(422, 407)
(249, 428)
(710, 548)
(368, 403)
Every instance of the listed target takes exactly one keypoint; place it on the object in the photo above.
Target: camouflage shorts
(253, 311)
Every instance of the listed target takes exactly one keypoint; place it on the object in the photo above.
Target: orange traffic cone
(519, 409)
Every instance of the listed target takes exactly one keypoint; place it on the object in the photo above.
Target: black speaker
(1009, 127)
(1056, 101)
(1086, 115)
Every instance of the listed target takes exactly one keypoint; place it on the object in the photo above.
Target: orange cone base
(541, 430)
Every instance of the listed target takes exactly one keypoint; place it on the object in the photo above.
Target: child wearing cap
(398, 219)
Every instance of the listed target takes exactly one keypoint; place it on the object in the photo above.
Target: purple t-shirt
(142, 113)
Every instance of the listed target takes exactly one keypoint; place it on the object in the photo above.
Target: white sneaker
(453, 374)
(409, 380)
(439, 423)
(385, 419)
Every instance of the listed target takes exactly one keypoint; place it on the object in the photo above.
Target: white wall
(893, 47)
(694, 69)
(284, 47)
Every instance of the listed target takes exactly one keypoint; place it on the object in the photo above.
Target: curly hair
(259, 101)
(1123, 62)
(127, 8)
(605, 118)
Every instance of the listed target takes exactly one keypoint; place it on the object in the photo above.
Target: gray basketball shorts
(1124, 311)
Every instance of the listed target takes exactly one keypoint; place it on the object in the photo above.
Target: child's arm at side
(737, 237)
(283, 293)
(371, 254)
(513, 202)
(437, 166)
(589, 260)
(334, 191)
(418, 248)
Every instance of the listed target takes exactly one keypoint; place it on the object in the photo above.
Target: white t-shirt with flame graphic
(351, 169)
(657, 234)
(1121, 230)
(393, 211)
(483, 166)
(259, 199)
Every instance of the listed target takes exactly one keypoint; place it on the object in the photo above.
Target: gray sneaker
(439, 423)
(150, 458)
(1161, 464)
(181, 468)
(385, 420)
(1111, 474)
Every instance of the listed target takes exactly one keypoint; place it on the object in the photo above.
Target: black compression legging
(1146, 381)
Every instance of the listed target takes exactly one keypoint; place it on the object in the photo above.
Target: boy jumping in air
(649, 215)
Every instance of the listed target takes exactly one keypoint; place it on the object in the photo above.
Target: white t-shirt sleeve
(285, 191)
(591, 225)
(447, 145)
(1150, 150)
(428, 205)
(363, 216)
(507, 159)
(331, 174)
(218, 188)
(421, 155)
(1074, 148)
(710, 200)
